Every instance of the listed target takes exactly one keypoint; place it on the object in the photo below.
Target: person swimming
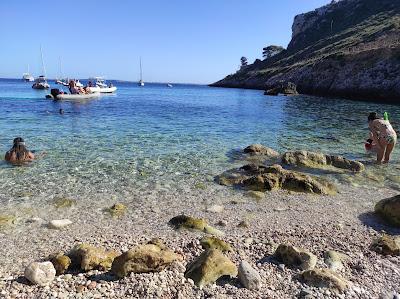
(19, 153)
(383, 136)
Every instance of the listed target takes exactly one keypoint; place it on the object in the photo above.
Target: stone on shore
(87, 257)
(387, 245)
(210, 266)
(333, 260)
(266, 178)
(259, 149)
(295, 257)
(324, 278)
(40, 273)
(63, 202)
(117, 210)
(144, 258)
(215, 209)
(249, 277)
(191, 223)
(389, 210)
(319, 160)
(215, 243)
(6, 220)
(61, 263)
(57, 224)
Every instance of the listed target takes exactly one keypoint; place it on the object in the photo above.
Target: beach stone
(117, 210)
(61, 263)
(87, 257)
(63, 202)
(144, 258)
(295, 257)
(318, 160)
(243, 224)
(248, 276)
(191, 223)
(324, 278)
(387, 245)
(333, 260)
(6, 220)
(389, 210)
(259, 149)
(210, 266)
(262, 178)
(256, 194)
(215, 209)
(215, 243)
(57, 224)
(40, 273)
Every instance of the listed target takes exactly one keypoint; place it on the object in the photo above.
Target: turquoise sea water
(160, 137)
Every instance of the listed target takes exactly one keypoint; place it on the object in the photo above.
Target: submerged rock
(215, 209)
(259, 149)
(318, 160)
(256, 194)
(40, 273)
(266, 178)
(117, 210)
(57, 224)
(389, 209)
(387, 245)
(61, 263)
(215, 243)
(295, 257)
(324, 278)
(144, 258)
(63, 202)
(191, 223)
(6, 220)
(210, 266)
(249, 277)
(333, 260)
(87, 257)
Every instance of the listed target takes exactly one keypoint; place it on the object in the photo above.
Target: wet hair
(21, 152)
(372, 116)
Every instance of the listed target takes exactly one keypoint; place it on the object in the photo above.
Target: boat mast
(141, 76)
(43, 68)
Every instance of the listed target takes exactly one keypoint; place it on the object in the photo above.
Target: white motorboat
(41, 83)
(27, 77)
(169, 85)
(101, 86)
(141, 82)
(78, 83)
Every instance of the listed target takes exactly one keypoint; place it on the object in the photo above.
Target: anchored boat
(101, 86)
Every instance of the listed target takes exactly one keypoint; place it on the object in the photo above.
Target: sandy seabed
(343, 222)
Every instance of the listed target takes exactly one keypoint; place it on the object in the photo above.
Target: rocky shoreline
(264, 244)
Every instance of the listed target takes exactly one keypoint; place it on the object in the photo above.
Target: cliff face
(349, 48)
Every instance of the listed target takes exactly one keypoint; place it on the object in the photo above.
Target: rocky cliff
(349, 48)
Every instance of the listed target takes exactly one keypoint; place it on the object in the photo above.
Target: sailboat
(61, 80)
(27, 77)
(141, 82)
(41, 81)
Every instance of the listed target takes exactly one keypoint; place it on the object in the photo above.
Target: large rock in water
(210, 266)
(389, 209)
(318, 160)
(266, 178)
(259, 149)
(151, 257)
(324, 278)
(40, 273)
(281, 87)
(295, 257)
(88, 257)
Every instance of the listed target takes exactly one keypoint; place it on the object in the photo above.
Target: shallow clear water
(168, 138)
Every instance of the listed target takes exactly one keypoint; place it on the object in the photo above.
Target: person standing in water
(19, 153)
(383, 136)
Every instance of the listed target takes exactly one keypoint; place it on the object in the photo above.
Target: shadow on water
(373, 221)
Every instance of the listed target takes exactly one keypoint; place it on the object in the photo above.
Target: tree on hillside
(243, 61)
(272, 50)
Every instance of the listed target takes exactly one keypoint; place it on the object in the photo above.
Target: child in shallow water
(19, 153)
(383, 136)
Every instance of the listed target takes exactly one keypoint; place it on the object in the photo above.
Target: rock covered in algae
(389, 209)
(318, 160)
(6, 220)
(87, 257)
(259, 149)
(191, 223)
(210, 266)
(215, 243)
(295, 257)
(387, 245)
(262, 178)
(324, 278)
(40, 273)
(151, 257)
(63, 202)
(117, 210)
(61, 263)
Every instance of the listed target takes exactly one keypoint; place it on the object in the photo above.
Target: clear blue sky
(178, 40)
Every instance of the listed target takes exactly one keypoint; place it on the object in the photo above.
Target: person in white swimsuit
(383, 135)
